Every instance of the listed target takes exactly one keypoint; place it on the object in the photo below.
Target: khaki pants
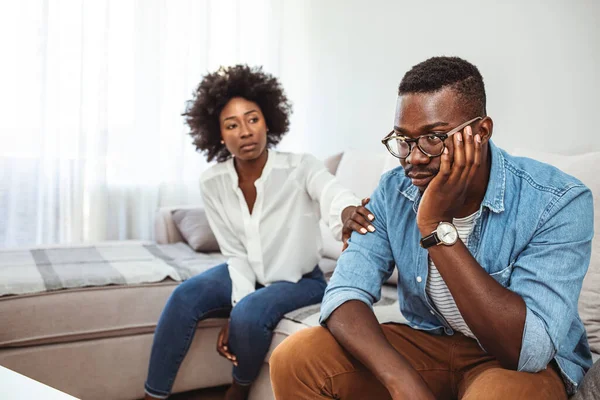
(312, 365)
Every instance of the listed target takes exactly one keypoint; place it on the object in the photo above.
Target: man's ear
(485, 129)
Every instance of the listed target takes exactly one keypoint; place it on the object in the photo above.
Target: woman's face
(243, 129)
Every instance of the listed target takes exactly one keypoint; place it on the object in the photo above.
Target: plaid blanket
(45, 269)
(121, 263)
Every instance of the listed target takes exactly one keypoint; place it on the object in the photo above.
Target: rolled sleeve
(340, 296)
(548, 275)
(537, 349)
(364, 266)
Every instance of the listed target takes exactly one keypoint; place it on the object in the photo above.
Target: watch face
(447, 233)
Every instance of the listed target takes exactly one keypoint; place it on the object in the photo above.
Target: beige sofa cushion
(81, 314)
(583, 167)
(87, 313)
(117, 367)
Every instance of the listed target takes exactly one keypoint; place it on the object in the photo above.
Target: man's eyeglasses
(431, 144)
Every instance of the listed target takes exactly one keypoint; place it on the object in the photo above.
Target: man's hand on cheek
(446, 193)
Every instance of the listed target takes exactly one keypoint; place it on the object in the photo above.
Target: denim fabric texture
(251, 325)
(533, 236)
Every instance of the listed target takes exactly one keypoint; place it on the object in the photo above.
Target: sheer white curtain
(91, 135)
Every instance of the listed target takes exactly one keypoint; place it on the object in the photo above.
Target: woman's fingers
(355, 226)
(222, 345)
(365, 213)
(361, 221)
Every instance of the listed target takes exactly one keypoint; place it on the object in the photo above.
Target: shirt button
(419, 279)
(432, 312)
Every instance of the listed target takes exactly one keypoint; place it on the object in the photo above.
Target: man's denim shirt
(533, 236)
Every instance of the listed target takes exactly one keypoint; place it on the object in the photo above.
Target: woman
(262, 208)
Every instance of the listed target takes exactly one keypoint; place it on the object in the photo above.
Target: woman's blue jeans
(250, 329)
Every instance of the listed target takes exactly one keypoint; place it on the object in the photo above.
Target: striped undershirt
(436, 287)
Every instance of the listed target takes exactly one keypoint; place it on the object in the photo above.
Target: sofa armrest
(165, 230)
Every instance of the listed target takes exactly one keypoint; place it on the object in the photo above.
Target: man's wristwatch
(445, 234)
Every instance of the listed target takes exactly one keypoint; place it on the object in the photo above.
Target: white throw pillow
(361, 171)
(331, 247)
(582, 167)
(193, 226)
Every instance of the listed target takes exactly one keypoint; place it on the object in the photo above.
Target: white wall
(342, 61)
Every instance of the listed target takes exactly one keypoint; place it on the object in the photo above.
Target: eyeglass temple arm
(462, 126)
(387, 137)
(452, 132)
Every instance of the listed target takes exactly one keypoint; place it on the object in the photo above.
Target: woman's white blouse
(280, 240)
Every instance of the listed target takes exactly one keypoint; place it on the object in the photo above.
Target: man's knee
(296, 351)
(499, 383)
(298, 362)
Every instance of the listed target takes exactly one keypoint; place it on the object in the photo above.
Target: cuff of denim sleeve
(537, 349)
(338, 297)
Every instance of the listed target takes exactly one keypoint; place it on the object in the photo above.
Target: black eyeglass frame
(443, 136)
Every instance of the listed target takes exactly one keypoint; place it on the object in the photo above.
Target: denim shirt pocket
(503, 276)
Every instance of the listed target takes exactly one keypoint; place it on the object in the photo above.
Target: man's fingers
(365, 213)
(469, 146)
(476, 157)
(458, 162)
(445, 165)
(365, 201)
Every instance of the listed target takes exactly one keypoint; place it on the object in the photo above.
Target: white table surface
(14, 386)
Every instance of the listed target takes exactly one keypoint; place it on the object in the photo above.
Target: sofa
(94, 341)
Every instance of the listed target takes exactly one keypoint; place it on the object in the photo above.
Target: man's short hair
(438, 73)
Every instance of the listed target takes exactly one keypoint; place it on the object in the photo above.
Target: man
(491, 252)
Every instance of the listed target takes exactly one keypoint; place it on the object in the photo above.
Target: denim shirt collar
(494, 195)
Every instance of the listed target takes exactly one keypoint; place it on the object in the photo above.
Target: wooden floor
(202, 394)
(217, 393)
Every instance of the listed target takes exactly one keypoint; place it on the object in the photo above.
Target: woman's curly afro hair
(217, 88)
